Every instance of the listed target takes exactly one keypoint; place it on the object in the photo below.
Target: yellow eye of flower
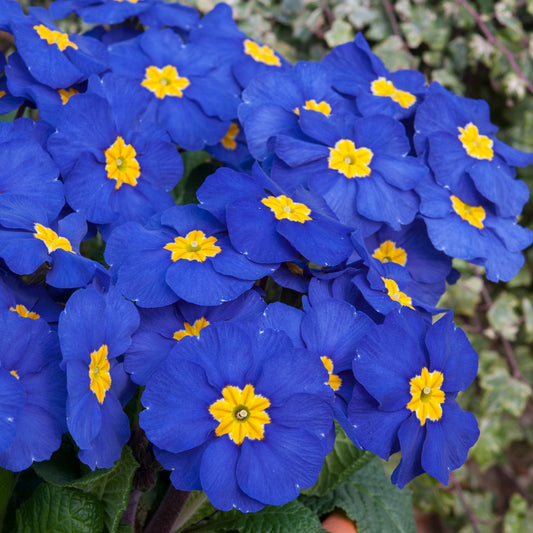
(229, 141)
(349, 160)
(14, 373)
(395, 293)
(100, 378)
(334, 380)
(54, 37)
(65, 94)
(51, 239)
(474, 215)
(476, 145)
(322, 107)
(195, 246)
(24, 312)
(165, 81)
(426, 396)
(261, 54)
(121, 164)
(283, 207)
(189, 330)
(384, 87)
(2, 93)
(388, 253)
(241, 414)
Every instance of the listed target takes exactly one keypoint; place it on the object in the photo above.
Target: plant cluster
(248, 323)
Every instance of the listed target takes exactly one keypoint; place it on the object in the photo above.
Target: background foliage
(480, 49)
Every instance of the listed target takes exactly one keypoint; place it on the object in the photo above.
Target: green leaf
(112, 487)
(374, 503)
(339, 33)
(196, 508)
(339, 465)
(464, 296)
(503, 393)
(393, 53)
(518, 518)
(503, 315)
(293, 517)
(53, 509)
(6, 483)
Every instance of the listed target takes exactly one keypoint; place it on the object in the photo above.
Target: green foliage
(340, 464)
(54, 509)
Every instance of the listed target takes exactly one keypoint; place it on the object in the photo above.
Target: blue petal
(411, 436)
(11, 402)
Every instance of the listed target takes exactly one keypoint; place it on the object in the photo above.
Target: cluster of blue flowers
(346, 183)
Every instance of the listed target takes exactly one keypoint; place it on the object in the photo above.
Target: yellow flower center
(14, 373)
(65, 94)
(322, 107)
(165, 81)
(474, 215)
(240, 413)
(195, 246)
(99, 373)
(349, 160)
(426, 396)
(283, 207)
(384, 87)
(294, 268)
(54, 37)
(261, 54)
(121, 164)
(51, 239)
(129, 1)
(228, 141)
(334, 380)
(24, 312)
(388, 253)
(2, 93)
(189, 330)
(476, 145)
(395, 293)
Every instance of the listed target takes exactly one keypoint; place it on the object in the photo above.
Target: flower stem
(168, 512)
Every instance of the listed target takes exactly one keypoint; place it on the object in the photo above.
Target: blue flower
(331, 329)
(94, 331)
(408, 376)
(463, 150)
(469, 227)
(272, 102)
(8, 102)
(162, 327)
(358, 72)
(56, 59)
(184, 253)
(270, 227)
(218, 33)
(241, 414)
(359, 165)
(31, 376)
(116, 168)
(188, 95)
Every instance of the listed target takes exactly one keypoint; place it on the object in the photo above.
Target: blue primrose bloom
(182, 253)
(54, 243)
(94, 331)
(241, 414)
(162, 327)
(408, 376)
(188, 95)
(54, 58)
(271, 227)
(244, 58)
(33, 391)
(469, 227)
(463, 150)
(115, 166)
(232, 149)
(332, 330)
(360, 166)
(357, 71)
(272, 101)
(8, 102)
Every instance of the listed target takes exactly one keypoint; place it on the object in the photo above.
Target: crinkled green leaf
(339, 465)
(53, 509)
(370, 499)
(293, 517)
(112, 487)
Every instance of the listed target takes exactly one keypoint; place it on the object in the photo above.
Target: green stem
(167, 515)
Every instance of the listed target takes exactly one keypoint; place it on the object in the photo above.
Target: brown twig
(389, 10)
(492, 39)
(459, 490)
